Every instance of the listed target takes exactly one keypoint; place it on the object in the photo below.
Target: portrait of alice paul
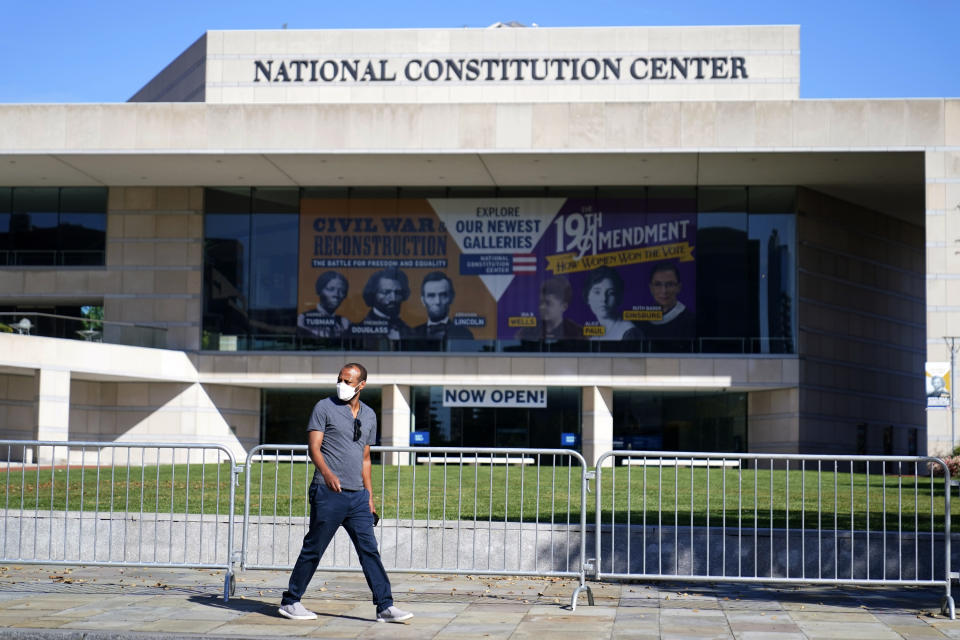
(603, 294)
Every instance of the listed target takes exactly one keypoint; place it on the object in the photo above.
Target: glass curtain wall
(250, 268)
(666, 269)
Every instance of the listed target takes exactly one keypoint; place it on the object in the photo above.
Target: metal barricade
(118, 504)
(774, 518)
(443, 510)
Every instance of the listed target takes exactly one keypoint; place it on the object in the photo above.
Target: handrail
(119, 323)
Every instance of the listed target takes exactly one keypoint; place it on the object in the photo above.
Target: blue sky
(104, 51)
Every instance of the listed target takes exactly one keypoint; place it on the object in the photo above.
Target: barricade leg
(229, 585)
(576, 595)
(947, 608)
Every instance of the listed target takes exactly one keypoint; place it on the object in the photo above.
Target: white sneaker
(393, 614)
(296, 611)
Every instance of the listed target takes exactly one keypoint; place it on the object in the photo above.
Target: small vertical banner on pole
(937, 381)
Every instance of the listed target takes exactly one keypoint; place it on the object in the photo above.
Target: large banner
(525, 269)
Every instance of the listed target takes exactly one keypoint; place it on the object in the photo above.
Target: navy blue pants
(328, 511)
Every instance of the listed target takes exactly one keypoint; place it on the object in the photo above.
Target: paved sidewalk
(106, 602)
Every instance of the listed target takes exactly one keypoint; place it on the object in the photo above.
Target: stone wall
(861, 329)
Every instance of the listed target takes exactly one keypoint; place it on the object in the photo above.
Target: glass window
(471, 192)
(47, 226)
(273, 272)
(672, 199)
(33, 225)
(5, 243)
(227, 200)
(385, 193)
(83, 226)
(722, 199)
(633, 193)
(422, 192)
(83, 200)
(278, 200)
(226, 261)
(772, 199)
(522, 192)
(571, 192)
(645, 421)
(773, 236)
(325, 192)
(724, 270)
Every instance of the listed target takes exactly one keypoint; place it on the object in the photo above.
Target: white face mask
(345, 392)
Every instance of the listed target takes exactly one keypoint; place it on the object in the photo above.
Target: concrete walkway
(96, 603)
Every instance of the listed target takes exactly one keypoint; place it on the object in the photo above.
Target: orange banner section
(565, 262)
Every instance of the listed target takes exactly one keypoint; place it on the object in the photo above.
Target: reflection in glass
(723, 275)
(645, 421)
(772, 238)
(47, 226)
(226, 261)
(273, 268)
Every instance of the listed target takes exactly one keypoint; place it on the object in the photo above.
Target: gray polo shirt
(342, 454)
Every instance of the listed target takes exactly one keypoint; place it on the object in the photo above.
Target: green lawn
(485, 492)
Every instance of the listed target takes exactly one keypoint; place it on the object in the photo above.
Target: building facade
(591, 238)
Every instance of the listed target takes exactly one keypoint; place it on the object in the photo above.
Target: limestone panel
(523, 367)
(736, 124)
(629, 367)
(513, 126)
(662, 125)
(552, 125)
(12, 282)
(587, 123)
(952, 123)
(848, 123)
(698, 124)
(594, 369)
(139, 199)
(925, 122)
(663, 366)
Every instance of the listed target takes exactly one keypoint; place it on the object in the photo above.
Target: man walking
(339, 435)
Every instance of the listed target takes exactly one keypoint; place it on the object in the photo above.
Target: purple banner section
(612, 269)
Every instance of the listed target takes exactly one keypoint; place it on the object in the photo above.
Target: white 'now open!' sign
(534, 397)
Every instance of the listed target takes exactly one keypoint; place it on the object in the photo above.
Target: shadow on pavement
(877, 599)
(265, 607)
